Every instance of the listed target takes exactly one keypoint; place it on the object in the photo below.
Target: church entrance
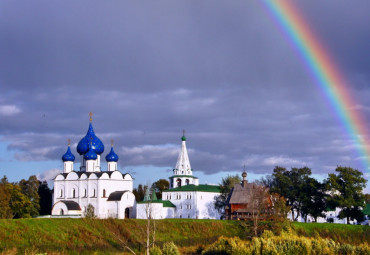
(127, 213)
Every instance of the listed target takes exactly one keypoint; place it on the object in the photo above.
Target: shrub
(288, 243)
(155, 251)
(225, 246)
(90, 212)
(170, 248)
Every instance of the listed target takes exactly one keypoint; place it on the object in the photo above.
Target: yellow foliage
(287, 243)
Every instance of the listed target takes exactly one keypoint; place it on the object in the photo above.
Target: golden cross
(111, 142)
(90, 114)
(69, 142)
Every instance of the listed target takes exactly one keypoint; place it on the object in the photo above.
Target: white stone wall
(193, 204)
(156, 210)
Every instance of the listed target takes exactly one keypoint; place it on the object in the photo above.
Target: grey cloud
(223, 71)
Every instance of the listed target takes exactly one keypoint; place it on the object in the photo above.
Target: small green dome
(183, 138)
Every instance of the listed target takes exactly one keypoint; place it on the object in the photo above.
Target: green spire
(183, 138)
(147, 195)
(154, 195)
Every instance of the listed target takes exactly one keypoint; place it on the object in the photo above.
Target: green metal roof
(165, 203)
(192, 187)
(189, 176)
(366, 210)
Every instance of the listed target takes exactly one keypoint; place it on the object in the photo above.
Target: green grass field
(76, 236)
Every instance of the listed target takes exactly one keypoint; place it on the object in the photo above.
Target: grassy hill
(76, 236)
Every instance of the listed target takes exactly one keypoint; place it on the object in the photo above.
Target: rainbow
(323, 69)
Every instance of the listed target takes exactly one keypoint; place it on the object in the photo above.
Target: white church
(109, 192)
(186, 198)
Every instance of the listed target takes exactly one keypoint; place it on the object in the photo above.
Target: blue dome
(68, 156)
(90, 155)
(111, 156)
(84, 145)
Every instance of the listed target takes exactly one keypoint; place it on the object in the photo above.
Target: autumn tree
(259, 205)
(225, 188)
(280, 209)
(5, 211)
(19, 203)
(346, 188)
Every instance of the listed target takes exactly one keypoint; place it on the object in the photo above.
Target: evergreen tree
(45, 198)
(139, 192)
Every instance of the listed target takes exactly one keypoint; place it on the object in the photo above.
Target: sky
(147, 70)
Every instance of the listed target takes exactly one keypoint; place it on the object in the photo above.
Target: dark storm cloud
(220, 70)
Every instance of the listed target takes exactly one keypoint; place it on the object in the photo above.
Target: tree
(313, 199)
(5, 211)
(19, 203)
(290, 184)
(30, 189)
(259, 205)
(159, 186)
(139, 192)
(280, 209)
(225, 187)
(45, 198)
(346, 192)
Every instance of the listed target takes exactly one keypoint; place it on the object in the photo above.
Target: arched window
(94, 192)
(73, 193)
(61, 212)
(85, 192)
(187, 181)
(61, 193)
(178, 182)
(104, 193)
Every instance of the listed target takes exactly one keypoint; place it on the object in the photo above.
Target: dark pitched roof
(192, 187)
(71, 205)
(240, 194)
(116, 196)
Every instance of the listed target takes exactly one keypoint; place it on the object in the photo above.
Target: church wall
(205, 205)
(156, 211)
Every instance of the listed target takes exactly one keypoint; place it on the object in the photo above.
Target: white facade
(195, 203)
(109, 192)
(331, 216)
(191, 200)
